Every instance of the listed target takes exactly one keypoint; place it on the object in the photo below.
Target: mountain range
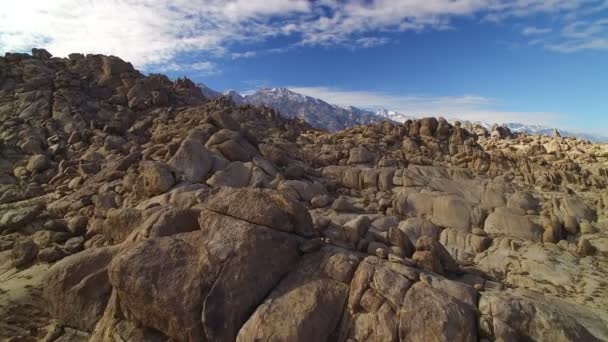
(333, 118)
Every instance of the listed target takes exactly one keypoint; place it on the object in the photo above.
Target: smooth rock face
(259, 259)
(307, 304)
(415, 228)
(192, 160)
(264, 207)
(78, 287)
(520, 317)
(505, 222)
(236, 175)
(453, 212)
(428, 314)
(170, 262)
(204, 282)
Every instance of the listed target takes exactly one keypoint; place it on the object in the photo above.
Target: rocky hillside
(133, 208)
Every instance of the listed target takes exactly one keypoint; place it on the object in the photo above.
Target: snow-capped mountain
(290, 104)
(236, 97)
(393, 115)
(514, 127)
(321, 114)
(208, 92)
(316, 112)
(544, 130)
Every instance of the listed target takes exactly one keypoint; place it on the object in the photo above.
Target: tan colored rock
(397, 238)
(439, 255)
(157, 178)
(416, 227)
(227, 256)
(192, 161)
(356, 228)
(370, 315)
(552, 229)
(236, 175)
(305, 306)
(452, 212)
(584, 247)
(38, 163)
(24, 252)
(78, 287)
(264, 207)
(359, 155)
(512, 316)
(503, 221)
(430, 314)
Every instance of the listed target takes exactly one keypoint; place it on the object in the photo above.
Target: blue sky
(527, 61)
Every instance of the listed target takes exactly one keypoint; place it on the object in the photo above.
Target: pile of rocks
(134, 209)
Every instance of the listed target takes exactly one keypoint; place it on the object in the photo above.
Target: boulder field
(132, 208)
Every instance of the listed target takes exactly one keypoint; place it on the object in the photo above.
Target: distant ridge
(290, 104)
(333, 118)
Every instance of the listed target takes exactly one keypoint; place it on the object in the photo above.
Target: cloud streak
(155, 32)
(465, 107)
(535, 31)
(200, 68)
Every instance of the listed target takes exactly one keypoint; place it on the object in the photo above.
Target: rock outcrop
(132, 208)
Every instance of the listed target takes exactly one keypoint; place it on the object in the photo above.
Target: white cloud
(141, 31)
(152, 32)
(535, 31)
(246, 54)
(465, 107)
(201, 68)
(367, 42)
(580, 35)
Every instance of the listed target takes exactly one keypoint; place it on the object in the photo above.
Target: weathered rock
(505, 222)
(342, 204)
(38, 163)
(24, 252)
(165, 221)
(77, 225)
(577, 208)
(416, 227)
(264, 207)
(397, 238)
(522, 202)
(227, 256)
(306, 305)
(369, 314)
(51, 254)
(18, 217)
(78, 288)
(438, 253)
(157, 178)
(453, 212)
(192, 161)
(321, 201)
(359, 155)
(515, 317)
(96, 154)
(430, 314)
(356, 228)
(236, 175)
(74, 245)
(46, 238)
